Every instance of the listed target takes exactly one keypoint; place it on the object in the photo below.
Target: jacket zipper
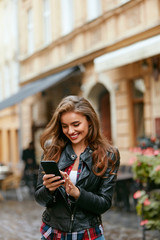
(72, 219)
(71, 223)
(72, 213)
(65, 200)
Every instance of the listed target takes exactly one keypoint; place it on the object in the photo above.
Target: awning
(135, 52)
(37, 86)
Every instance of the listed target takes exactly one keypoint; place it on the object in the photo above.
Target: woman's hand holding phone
(52, 182)
(52, 178)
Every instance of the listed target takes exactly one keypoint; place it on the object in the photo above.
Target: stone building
(9, 82)
(105, 50)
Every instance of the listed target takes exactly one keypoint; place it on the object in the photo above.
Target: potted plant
(146, 171)
(148, 207)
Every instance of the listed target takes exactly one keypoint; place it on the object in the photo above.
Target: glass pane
(94, 9)
(30, 31)
(138, 88)
(139, 120)
(1, 88)
(46, 22)
(67, 16)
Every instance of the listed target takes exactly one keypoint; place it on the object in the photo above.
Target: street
(22, 220)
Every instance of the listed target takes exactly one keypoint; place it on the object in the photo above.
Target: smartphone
(50, 167)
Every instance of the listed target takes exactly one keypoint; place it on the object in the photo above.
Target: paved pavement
(22, 220)
(123, 225)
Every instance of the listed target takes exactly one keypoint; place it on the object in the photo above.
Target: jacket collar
(68, 157)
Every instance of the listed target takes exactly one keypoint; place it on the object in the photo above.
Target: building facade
(116, 46)
(9, 81)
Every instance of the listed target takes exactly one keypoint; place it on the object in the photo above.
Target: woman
(88, 164)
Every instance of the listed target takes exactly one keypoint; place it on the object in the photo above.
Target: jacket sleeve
(42, 195)
(101, 201)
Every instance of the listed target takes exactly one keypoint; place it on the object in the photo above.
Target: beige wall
(9, 122)
(9, 77)
(117, 82)
(119, 26)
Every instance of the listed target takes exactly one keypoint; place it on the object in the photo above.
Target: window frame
(94, 9)
(30, 31)
(46, 22)
(67, 16)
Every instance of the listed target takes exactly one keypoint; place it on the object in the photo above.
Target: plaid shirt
(52, 234)
(88, 234)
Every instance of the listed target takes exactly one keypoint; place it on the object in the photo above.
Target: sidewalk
(120, 225)
(22, 220)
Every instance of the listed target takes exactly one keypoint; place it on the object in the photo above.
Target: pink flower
(144, 222)
(156, 152)
(157, 168)
(137, 194)
(136, 150)
(148, 152)
(147, 202)
(132, 160)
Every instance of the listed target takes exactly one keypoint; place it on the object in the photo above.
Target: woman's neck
(78, 149)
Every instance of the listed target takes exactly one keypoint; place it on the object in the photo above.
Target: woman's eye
(76, 125)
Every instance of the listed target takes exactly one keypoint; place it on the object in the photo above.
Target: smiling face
(75, 127)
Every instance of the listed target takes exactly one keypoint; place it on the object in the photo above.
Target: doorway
(105, 114)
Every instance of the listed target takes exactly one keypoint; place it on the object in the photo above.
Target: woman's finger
(51, 180)
(48, 176)
(54, 185)
(64, 174)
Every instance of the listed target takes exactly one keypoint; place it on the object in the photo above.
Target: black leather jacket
(95, 195)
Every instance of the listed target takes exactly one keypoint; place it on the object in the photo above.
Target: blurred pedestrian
(88, 164)
(29, 158)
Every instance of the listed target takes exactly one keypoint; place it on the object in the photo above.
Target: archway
(105, 114)
(100, 97)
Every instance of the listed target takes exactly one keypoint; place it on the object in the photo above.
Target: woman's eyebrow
(71, 122)
(76, 122)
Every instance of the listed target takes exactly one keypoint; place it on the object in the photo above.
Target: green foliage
(155, 174)
(154, 224)
(146, 169)
(150, 209)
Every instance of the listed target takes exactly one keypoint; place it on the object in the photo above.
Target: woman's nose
(70, 130)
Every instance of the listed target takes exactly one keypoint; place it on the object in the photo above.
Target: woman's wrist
(77, 193)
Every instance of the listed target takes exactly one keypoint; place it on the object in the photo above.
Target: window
(138, 89)
(7, 87)
(105, 114)
(1, 158)
(67, 17)
(124, 1)
(13, 20)
(15, 72)
(6, 23)
(1, 88)
(94, 9)
(30, 31)
(46, 22)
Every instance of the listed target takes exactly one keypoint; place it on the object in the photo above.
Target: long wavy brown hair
(53, 140)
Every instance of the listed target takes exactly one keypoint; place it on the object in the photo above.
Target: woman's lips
(73, 137)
